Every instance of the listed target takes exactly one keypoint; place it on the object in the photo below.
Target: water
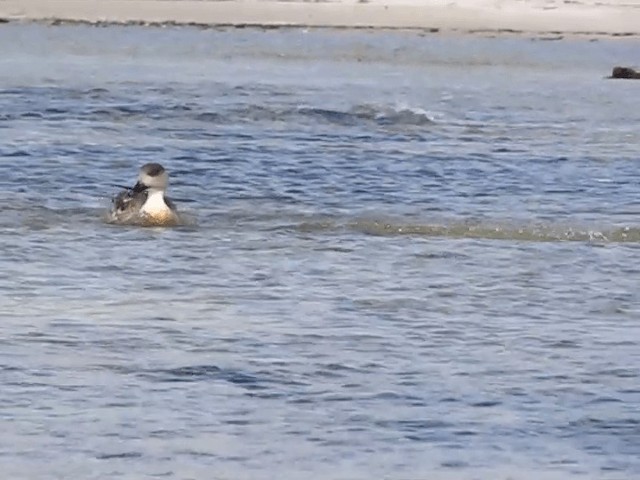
(414, 257)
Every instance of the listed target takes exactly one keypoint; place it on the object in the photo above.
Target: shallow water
(415, 256)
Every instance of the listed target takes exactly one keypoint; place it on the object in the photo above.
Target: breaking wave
(99, 105)
(487, 231)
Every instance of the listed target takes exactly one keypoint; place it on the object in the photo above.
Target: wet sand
(606, 18)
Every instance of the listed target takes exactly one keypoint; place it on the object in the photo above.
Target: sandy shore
(606, 17)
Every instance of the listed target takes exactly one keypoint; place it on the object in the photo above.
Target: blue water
(412, 256)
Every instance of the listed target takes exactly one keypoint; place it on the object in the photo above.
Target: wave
(21, 211)
(357, 115)
(48, 218)
(378, 114)
(486, 229)
(471, 230)
(503, 231)
(95, 105)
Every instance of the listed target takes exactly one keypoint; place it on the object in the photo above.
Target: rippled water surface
(415, 256)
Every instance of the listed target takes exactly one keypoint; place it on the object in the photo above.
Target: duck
(146, 202)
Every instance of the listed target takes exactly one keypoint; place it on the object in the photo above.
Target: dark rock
(625, 72)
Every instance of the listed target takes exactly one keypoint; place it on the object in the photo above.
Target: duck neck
(155, 200)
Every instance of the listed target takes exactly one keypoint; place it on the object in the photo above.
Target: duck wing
(128, 201)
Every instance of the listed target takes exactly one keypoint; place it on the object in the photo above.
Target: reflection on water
(410, 257)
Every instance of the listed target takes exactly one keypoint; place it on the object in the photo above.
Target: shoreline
(482, 17)
(542, 35)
